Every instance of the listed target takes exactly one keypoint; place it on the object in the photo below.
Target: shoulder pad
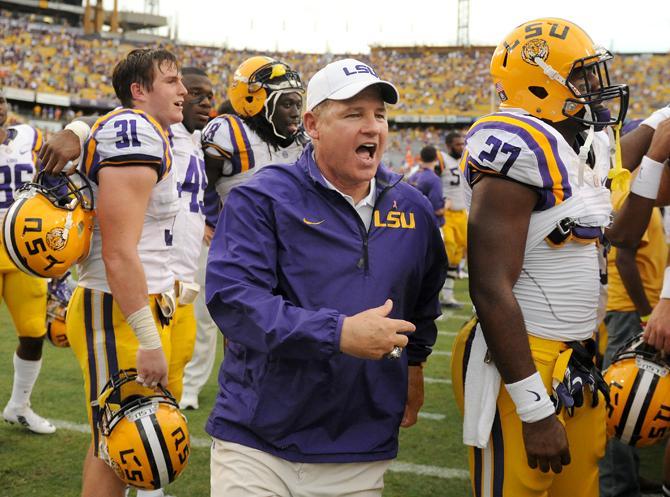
(227, 136)
(521, 148)
(126, 137)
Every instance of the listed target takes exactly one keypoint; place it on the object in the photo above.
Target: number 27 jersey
(127, 138)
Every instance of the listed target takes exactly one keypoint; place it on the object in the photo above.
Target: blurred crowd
(432, 81)
(57, 58)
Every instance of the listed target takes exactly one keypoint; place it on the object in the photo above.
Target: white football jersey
(18, 159)
(242, 150)
(558, 289)
(130, 137)
(453, 183)
(189, 224)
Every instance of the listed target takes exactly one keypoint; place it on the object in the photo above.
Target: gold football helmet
(48, 228)
(58, 297)
(639, 382)
(256, 79)
(144, 438)
(549, 67)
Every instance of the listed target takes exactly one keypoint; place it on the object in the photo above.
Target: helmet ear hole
(539, 91)
(249, 99)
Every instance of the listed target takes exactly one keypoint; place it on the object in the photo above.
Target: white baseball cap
(344, 79)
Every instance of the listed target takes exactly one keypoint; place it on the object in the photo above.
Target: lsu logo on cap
(359, 69)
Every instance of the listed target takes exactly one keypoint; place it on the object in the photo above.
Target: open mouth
(367, 150)
(292, 128)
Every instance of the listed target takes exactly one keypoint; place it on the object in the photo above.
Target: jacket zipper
(364, 261)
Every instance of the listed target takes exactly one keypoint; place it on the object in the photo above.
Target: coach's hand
(372, 335)
(59, 150)
(546, 444)
(152, 367)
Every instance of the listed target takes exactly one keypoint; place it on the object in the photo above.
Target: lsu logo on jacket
(395, 219)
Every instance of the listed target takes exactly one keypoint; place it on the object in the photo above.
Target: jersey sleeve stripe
(219, 149)
(90, 154)
(440, 162)
(554, 149)
(243, 160)
(132, 160)
(37, 145)
(167, 151)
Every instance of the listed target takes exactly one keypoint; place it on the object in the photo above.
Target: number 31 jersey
(127, 138)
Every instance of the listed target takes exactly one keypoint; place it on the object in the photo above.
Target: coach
(325, 275)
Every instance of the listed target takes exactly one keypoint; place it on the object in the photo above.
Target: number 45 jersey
(132, 138)
(189, 226)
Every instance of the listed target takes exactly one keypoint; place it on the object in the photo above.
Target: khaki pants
(239, 471)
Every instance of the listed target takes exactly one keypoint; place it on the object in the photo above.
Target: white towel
(482, 384)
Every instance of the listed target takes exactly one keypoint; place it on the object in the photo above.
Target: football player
(539, 209)
(266, 97)
(455, 225)
(119, 314)
(427, 183)
(189, 227)
(25, 295)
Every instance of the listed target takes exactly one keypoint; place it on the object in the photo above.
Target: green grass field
(46, 466)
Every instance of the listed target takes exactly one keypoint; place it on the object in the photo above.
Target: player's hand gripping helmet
(639, 382)
(257, 84)
(144, 438)
(59, 292)
(48, 228)
(539, 66)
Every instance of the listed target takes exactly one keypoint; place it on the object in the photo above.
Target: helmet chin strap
(271, 101)
(584, 149)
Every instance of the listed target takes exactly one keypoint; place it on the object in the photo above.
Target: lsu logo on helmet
(639, 382)
(49, 226)
(144, 438)
(548, 67)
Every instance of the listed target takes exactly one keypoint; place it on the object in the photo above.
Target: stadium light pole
(463, 31)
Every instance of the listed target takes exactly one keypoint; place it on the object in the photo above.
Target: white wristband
(648, 179)
(531, 399)
(83, 131)
(657, 117)
(665, 292)
(142, 323)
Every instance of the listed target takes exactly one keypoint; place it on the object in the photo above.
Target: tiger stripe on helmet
(152, 446)
(9, 235)
(635, 410)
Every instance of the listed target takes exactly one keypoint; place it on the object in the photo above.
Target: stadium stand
(439, 85)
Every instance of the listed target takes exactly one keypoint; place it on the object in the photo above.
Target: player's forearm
(126, 279)
(504, 329)
(630, 222)
(634, 145)
(630, 276)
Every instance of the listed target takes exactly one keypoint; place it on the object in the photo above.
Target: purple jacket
(289, 260)
(428, 183)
